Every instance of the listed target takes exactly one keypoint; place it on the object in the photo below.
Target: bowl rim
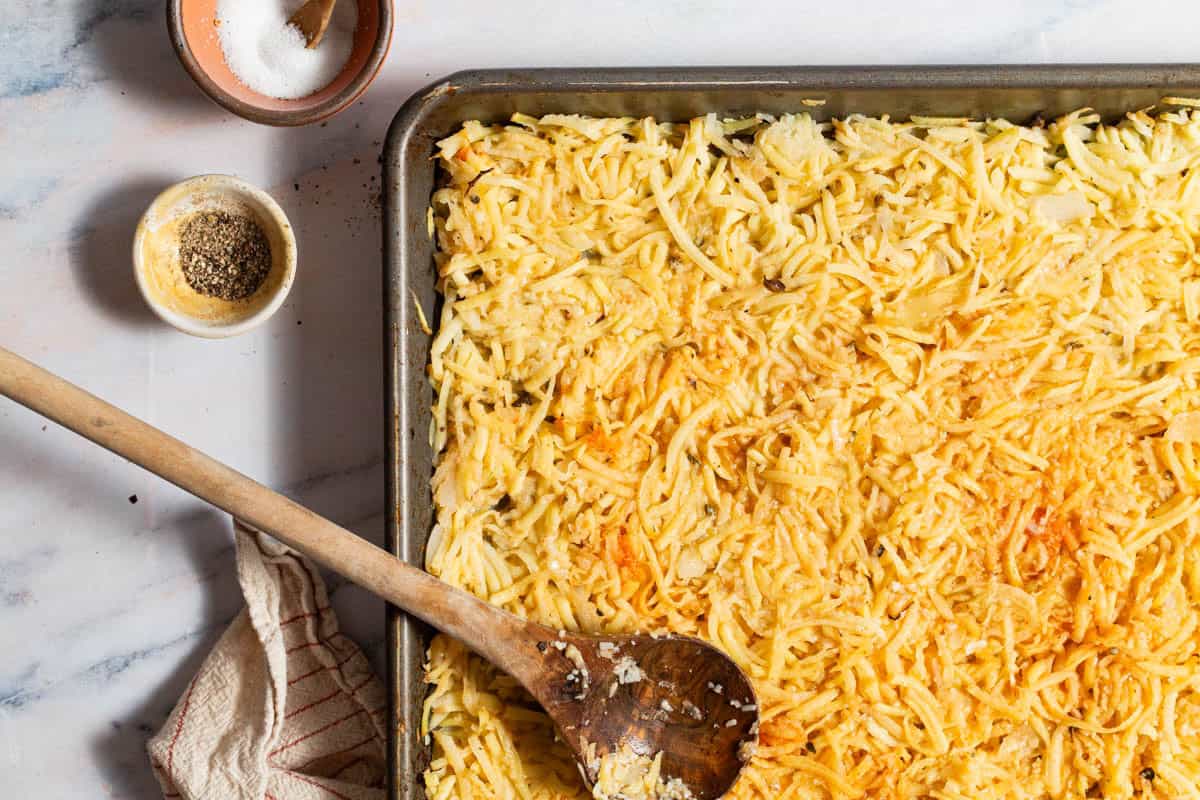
(208, 330)
(289, 117)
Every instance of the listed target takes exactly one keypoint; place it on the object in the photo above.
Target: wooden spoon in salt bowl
(618, 701)
(312, 19)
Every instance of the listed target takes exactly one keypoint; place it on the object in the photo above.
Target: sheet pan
(1017, 93)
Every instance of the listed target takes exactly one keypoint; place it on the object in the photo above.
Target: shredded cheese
(902, 416)
(625, 775)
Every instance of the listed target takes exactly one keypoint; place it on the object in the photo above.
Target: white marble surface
(106, 607)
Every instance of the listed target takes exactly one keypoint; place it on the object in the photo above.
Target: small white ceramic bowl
(156, 257)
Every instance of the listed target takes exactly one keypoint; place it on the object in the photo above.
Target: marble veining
(107, 606)
(46, 49)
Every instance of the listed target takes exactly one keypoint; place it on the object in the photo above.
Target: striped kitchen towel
(285, 707)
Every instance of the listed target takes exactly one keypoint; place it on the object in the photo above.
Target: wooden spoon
(634, 694)
(312, 19)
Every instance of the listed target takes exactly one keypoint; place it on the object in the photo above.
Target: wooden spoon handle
(486, 629)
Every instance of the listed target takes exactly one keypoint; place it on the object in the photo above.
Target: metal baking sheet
(1017, 93)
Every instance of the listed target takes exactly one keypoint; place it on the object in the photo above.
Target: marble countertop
(114, 585)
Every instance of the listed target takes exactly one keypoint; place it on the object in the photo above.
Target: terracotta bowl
(194, 34)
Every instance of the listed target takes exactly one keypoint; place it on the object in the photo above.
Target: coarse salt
(271, 57)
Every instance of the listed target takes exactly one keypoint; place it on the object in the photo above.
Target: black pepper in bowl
(224, 255)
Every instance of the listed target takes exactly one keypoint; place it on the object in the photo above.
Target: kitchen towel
(285, 707)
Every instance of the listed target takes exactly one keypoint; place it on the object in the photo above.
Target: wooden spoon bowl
(673, 695)
(312, 19)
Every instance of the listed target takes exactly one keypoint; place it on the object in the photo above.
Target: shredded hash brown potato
(902, 416)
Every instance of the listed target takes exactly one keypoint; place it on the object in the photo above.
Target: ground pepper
(224, 255)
